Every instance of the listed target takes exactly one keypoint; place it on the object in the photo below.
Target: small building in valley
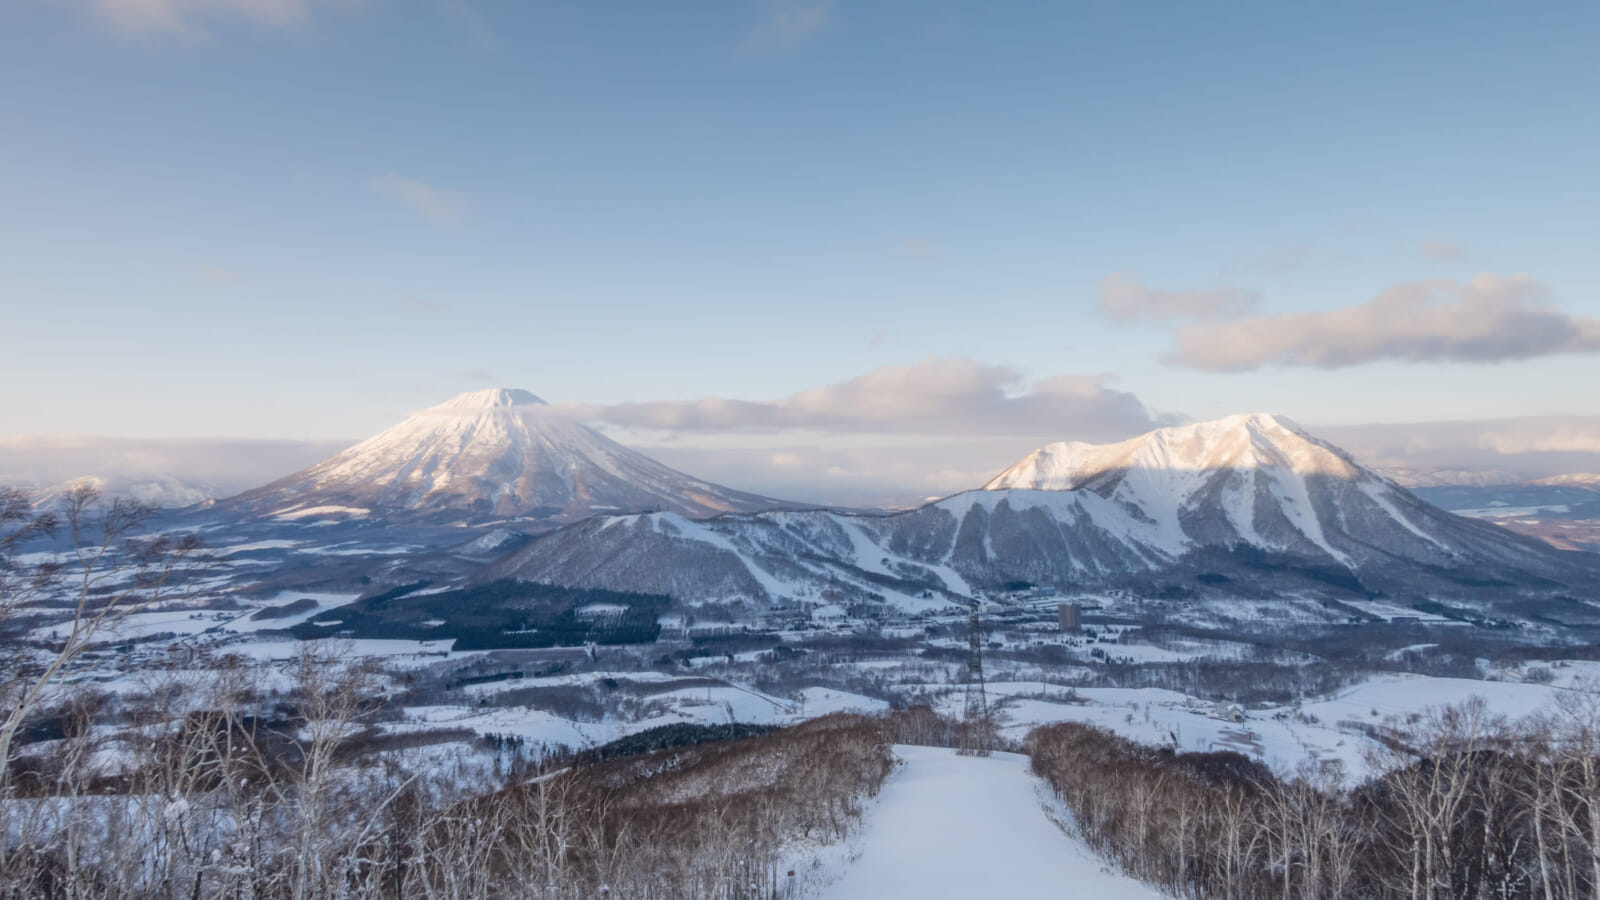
(1069, 616)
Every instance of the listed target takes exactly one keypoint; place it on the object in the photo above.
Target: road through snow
(951, 826)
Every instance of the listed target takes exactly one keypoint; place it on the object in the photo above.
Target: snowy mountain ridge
(1249, 502)
(1242, 476)
(1250, 441)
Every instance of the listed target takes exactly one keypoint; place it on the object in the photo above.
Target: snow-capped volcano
(491, 454)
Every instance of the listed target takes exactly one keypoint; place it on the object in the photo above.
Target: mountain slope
(1262, 482)
(485, 455)
(1248, 506)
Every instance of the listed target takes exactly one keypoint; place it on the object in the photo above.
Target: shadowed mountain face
(486, 455)
(1261, 482)
(1248, 506)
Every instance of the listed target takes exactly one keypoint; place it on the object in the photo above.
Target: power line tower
(976, 726)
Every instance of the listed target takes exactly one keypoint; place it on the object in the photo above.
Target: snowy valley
(507, 594)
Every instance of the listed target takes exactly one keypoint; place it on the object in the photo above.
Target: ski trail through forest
(952, 826)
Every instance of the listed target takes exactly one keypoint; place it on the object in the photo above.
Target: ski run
(954, 826)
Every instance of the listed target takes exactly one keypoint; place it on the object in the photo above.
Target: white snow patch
(952, 826)
(322, 512)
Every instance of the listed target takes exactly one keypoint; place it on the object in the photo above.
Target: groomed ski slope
(952, 826)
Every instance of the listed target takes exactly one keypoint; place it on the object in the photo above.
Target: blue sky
(300, 219)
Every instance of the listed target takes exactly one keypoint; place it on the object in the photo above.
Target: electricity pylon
(976, 736)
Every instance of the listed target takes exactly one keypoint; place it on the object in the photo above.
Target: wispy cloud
(189, 18)
(869, 473)
(221, 466)
(1533, 447)
(1490, 318)
(787, 23)
(1124, 298)
(933, 396)
(438, 205)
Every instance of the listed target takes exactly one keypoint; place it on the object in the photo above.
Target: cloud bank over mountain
(932, 396)
(1526, 448)
(893, 436)
(160, 469)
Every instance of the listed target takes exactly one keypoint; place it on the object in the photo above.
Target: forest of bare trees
(223, 801)
(1466, 805)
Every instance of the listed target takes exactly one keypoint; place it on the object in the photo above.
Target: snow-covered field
(1321, 731)
(581, 698)
(623, 698)
(952, 826)
(697, 705)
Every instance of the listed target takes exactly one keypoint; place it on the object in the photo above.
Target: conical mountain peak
(489, 455)
(492, 398)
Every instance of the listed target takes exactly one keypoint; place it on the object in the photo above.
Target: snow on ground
(1282, 737)
(532, 725)
(692, 705)
(356, 548)
(1400, 695)
(490, 689)
(703, 705)
(821, 701)
(952, 826)
(1384, 610)
(1410, 648)
(717, 705)
(323, 512)
(248, 622)
(1569, 673)
(1179, 651)
(396, 654)
(179, 620)
(1502, 512)
(270, 544)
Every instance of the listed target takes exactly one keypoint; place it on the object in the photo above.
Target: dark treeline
(666, 737)
(499, 614)
(1243, 681)
(1466, 806)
